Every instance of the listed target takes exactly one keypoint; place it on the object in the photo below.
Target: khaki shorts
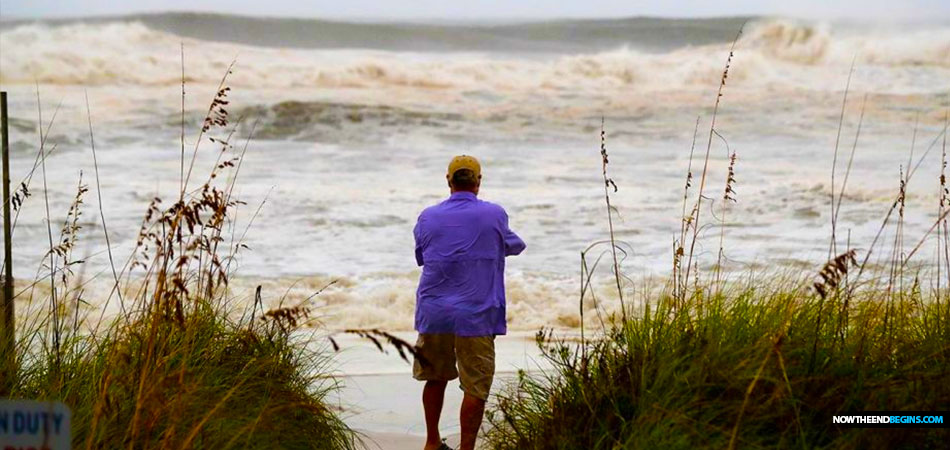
(475, 357)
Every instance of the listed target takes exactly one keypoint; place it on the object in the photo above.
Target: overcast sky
(492, 9)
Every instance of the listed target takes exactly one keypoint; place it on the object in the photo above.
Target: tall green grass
(737, 369)
(205, 382)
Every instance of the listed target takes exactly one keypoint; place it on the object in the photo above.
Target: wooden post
(7, 337)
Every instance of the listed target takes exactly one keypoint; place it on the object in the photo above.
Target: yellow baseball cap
(464, 162)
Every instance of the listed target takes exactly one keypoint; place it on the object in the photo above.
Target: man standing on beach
(460, 304)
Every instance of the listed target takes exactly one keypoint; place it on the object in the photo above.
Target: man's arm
(513, 244)
(417, 234)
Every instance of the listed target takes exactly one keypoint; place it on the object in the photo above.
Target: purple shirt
(461, 244)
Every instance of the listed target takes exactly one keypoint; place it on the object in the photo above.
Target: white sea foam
(352, 145)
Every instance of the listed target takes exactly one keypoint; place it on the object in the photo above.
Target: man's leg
(438, 350)
(433, 395)
(476, 366)
(471, 420)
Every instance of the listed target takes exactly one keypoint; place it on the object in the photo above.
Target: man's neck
(462, 193)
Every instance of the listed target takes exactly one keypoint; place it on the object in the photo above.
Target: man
(461, 245)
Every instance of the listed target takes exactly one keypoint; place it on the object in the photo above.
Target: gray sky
(492, 9)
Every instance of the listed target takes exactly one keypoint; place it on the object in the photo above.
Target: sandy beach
(397, 441)
(381, 400)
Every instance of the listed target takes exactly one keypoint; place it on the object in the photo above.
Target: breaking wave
(133, 53)
(387, 300)
(815, 44)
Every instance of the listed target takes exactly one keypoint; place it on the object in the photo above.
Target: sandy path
(380, 399)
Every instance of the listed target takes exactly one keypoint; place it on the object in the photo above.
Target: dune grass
(179, 365)
(748, 361)
(738, 369)
(205, 382)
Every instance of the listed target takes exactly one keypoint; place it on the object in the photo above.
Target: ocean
(354, 123)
